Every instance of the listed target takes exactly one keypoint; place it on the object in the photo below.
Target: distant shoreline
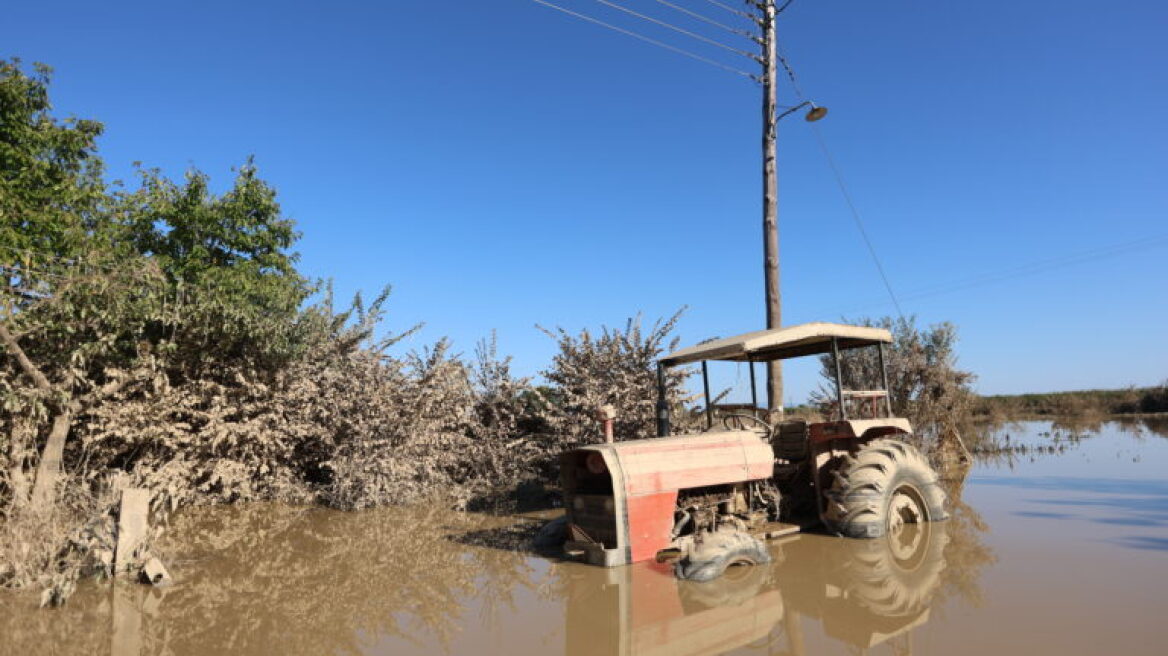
(1131, 402)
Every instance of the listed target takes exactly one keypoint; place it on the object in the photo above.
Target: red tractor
(705, 501)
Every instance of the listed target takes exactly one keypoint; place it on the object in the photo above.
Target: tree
(58, 260)
(51, 188)
(109, 292)
(229, 262)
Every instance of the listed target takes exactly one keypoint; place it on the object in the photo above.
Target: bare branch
(29, 368)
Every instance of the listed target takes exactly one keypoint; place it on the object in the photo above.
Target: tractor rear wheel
(884, 486)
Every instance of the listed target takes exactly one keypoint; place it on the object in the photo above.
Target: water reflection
(862, 593)
(272, 579)
(264, 579)
(1000, 441)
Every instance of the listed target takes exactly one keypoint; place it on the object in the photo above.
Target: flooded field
(1058, 546)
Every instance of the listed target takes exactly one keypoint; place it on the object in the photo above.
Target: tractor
(708, 500)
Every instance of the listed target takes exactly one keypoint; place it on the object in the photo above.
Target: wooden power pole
(770, 199)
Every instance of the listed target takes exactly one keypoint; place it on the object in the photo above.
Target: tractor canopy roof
(780, 343)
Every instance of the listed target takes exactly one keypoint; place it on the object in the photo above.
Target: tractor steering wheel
(738, 420)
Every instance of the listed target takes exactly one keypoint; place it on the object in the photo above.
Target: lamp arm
(791, 110)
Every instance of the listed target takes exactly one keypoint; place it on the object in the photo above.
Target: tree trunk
(44, 491)
(17, 477)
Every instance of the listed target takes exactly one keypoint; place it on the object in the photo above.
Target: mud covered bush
(615, 367)
(346, 424)
(924, 382)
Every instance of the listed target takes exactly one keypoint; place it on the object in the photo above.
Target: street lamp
(814, 114)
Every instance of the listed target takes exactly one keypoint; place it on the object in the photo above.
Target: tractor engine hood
(678, 463)
(622, 497)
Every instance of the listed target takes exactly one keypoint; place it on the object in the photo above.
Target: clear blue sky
(502, 164)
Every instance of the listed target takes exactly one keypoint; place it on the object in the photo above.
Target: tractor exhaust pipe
(662, 404)
(606, 414)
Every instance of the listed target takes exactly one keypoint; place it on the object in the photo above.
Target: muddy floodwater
(1058, 547)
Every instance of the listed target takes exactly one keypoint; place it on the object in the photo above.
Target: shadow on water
(1043, 515)
(1137, 503)
(267, 579)
(1144, 542)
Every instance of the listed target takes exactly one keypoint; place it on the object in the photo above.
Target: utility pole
(763, 16)
(770, 195)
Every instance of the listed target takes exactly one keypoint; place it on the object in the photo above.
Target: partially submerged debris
(154, 573)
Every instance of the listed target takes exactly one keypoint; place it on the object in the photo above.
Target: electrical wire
(646, 39)
(782, 57)
(679, 30)
(25, 273)
(1042, 266)
(730, 9)
(839, 179)
(709, 21)
(1033, 268)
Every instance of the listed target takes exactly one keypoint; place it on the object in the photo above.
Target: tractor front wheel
(884, 486)
(711, 554)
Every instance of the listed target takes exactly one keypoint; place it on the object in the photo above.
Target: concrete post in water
(133, 526)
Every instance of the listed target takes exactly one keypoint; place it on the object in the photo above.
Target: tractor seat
(791, 440)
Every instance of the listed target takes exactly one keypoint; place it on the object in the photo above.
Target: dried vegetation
(924, 383)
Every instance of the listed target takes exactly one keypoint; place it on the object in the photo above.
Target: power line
(646, 39)
(24, 273)
(782, 57)
(839, 178)
(709, 21)
(1040, 266)
(679, 30)
(731, 9)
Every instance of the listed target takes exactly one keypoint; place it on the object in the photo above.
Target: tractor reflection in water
(864, 593)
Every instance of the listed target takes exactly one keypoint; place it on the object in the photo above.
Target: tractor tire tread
(864, 484)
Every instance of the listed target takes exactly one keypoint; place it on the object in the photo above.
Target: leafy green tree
(56, 258)
(228, 259)
(51, 188)
(110, 293)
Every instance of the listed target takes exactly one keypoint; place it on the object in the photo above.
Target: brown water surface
(1062, 552)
